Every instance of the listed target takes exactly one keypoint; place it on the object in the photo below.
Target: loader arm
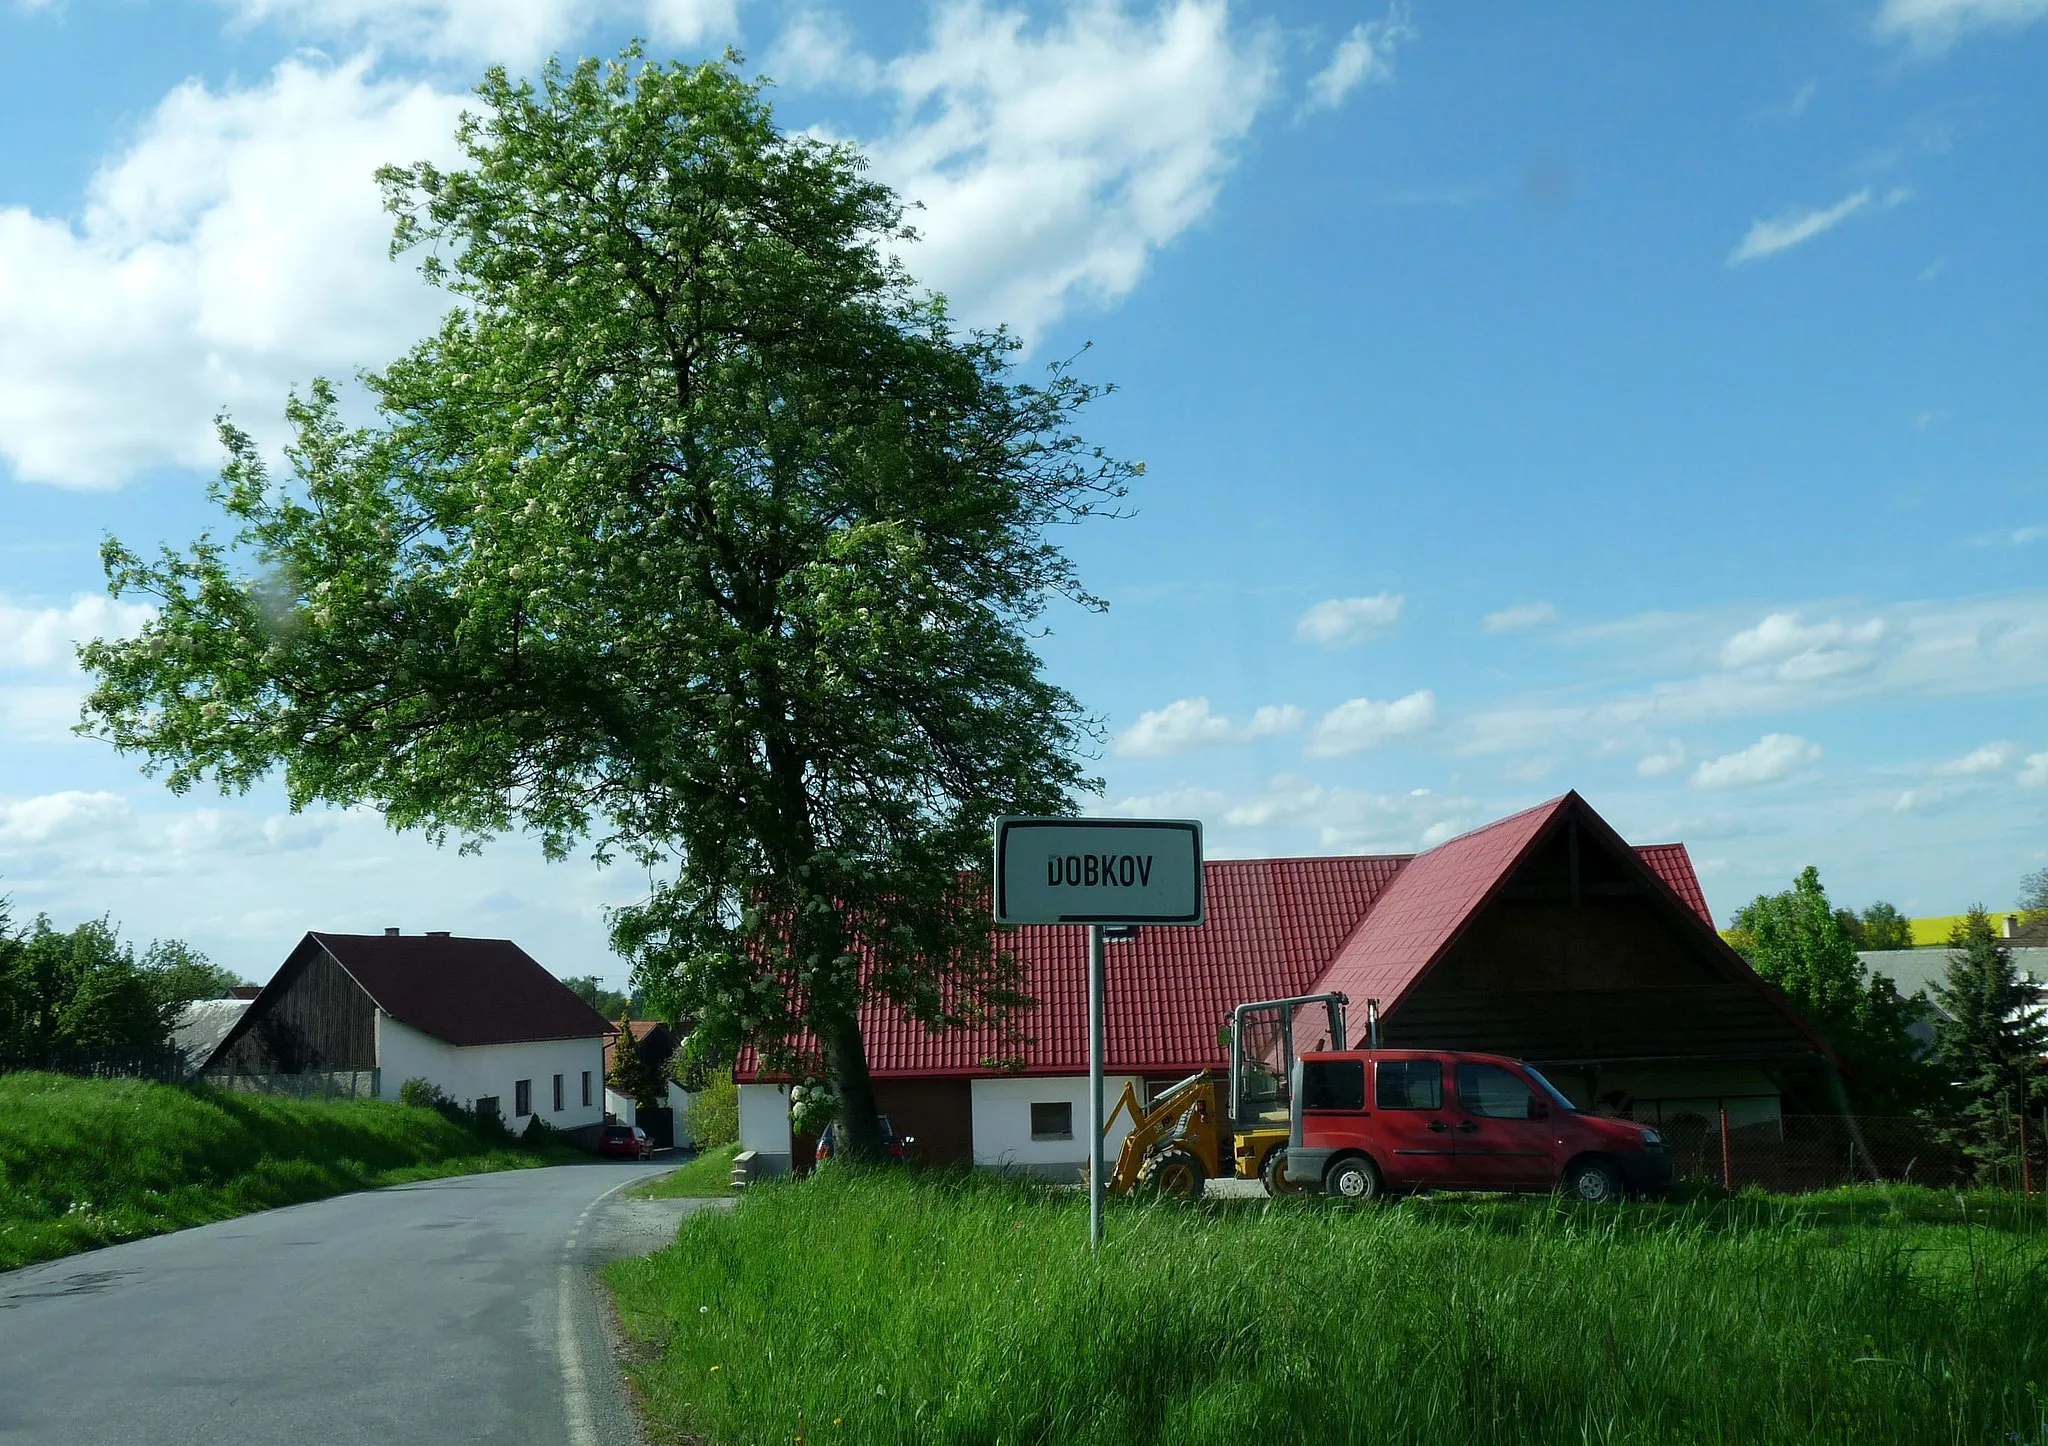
(1196, 1099)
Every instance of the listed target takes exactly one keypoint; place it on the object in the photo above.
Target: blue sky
(1647, 402)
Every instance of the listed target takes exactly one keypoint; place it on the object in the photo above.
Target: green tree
(1883, 927)
(632, 1073)
(1797, 941)
(608, 1002)
(713, 1117)
(2034, 895)
(77, 989)
(696, 533)
(177, 974)
(1989, 1039)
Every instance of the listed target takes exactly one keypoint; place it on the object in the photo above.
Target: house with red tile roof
(1543, 936)
(480, 1019)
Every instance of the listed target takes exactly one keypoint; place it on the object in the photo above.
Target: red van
(1375, 1122)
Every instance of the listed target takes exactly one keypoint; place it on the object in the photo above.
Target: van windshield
(1556, 1095)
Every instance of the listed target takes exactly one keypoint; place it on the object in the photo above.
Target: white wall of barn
(468, 1073)
(626, 1112)
(1002, 1122)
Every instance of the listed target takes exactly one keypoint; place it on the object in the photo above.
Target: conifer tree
(1990, 1042)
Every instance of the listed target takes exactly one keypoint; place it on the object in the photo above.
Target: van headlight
(1651, 1137)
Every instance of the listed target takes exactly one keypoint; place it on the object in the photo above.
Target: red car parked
(625, 1142)
(1440, 1120)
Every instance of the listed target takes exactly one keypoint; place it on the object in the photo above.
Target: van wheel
(1593, 1181)
(1354, 1178)
(1273, 1173)
(1173, 1172)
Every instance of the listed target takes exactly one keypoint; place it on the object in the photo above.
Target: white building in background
(479, 1019)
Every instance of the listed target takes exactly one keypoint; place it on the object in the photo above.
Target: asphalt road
(445, 1312)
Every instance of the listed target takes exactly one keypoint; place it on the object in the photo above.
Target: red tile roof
(463, 991)
(1276, 928)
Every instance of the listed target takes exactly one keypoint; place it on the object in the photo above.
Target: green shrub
(713, 1117)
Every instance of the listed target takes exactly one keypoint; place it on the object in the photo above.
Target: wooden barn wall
(1610, 977)
(321, 1021)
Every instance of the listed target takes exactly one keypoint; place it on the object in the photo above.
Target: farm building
(478, 1018)
(1543, 936)
(657, 1044)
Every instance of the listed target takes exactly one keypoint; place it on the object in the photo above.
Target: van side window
(1333, 1084)
(1409, 1084)
(1494, 1093)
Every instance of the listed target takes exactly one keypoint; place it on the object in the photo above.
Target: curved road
(445, 1312)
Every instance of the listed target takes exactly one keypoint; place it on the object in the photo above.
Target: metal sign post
(1098, 984)
(1098, 872)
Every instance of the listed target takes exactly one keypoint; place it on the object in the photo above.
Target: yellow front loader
(1226, 1122)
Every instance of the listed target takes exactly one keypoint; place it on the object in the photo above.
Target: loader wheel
(1273, 1173)
(1173, 1172)
(1354, 1180)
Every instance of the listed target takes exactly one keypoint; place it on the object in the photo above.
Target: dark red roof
(1276, 928)
(463, 991)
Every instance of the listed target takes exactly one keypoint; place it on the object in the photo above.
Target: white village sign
(1098, 871)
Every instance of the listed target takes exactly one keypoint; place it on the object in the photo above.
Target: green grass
(85, 1163)
(889, 1307)
(709, 1175)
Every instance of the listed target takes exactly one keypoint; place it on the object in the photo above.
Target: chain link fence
(1797, 1153)
(165, 1065)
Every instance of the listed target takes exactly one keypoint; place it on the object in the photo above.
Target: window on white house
(558, 1094)
(1052, 1120)
(522, 1097)
(586, 1087)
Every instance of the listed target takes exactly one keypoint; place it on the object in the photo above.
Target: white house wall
(468, 1073)
(1002, 1122)
(764, 1126)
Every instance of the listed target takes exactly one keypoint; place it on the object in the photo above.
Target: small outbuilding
(480, 1019)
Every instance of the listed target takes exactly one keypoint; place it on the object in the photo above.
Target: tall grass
(88, 1162)
(894, 1308)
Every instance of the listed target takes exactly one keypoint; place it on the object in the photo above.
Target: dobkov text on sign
(1091, 871)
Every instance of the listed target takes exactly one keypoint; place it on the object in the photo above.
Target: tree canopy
(1879, 926)
(2034, 895)
(83, 988)
(696, 533)
(1798, 942)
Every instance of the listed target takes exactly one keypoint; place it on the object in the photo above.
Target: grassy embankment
(85, 1163)
(947, 1308)
(708, 1176)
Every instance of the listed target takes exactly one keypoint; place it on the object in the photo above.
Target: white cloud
(1365, 54)
(1932, 26)
(1345, 622)
(2024, 535)
(1770, 757)
(1187, 724)
(1051, 162)
(1767, 238)
(39, 820)
(1521, 615)
(1347, 820)
(2035, 773)
(1666, 760)
(1363, 723)
(43, 638)
(514, 32)
(1991, 758)
(236, 248)
(1804, 650)
(1920, 649)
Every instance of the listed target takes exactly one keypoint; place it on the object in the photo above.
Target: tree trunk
(846, 1064)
